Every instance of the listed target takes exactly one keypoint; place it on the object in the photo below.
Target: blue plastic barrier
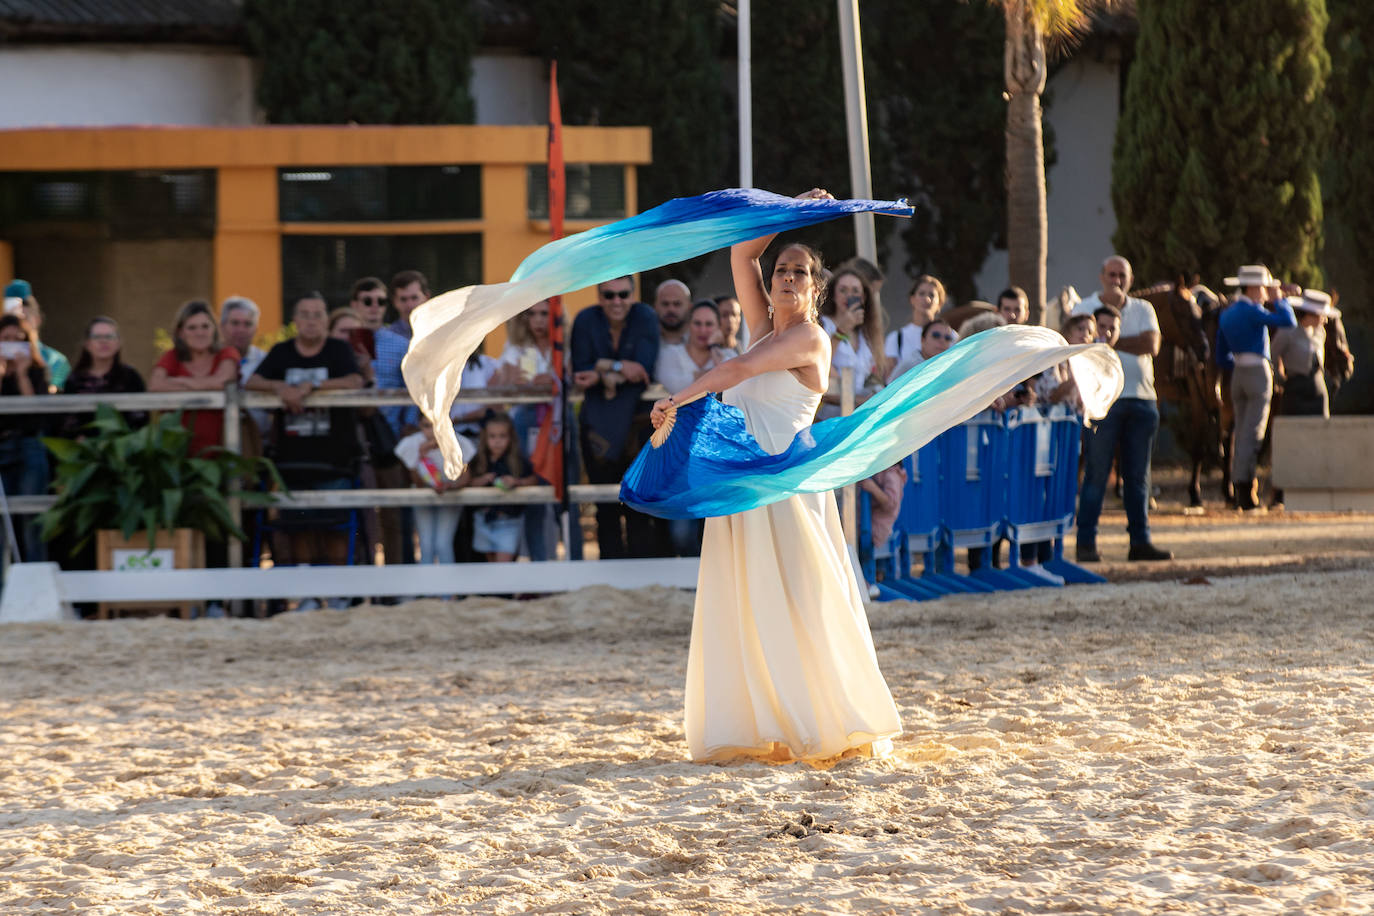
(1013, 476)
(893, 584)
(1031, 472)
(973, 489)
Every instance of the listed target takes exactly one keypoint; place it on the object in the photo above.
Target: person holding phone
(856, 339)
(23, 459)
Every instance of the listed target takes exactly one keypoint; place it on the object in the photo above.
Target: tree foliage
(341, 61)
(1221, 139)
(1348, 178)
(654, 62)
(936, 113)
(933, 74)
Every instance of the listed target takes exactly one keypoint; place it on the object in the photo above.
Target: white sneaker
(308, 604)
(1045, 574)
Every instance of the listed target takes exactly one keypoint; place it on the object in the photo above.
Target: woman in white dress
(782, 665)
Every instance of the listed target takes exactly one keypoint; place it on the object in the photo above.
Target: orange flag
(548, 450)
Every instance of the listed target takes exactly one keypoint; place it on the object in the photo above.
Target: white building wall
(106, 85)
(1084, 112)
(510, 89)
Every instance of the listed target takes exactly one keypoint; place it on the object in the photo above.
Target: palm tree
(1031, 26)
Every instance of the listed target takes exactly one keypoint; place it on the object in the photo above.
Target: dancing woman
(781, 665)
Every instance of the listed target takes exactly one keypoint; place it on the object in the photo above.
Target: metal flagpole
(856, 121)
(746, 100)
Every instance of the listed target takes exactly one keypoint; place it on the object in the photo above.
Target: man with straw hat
(1299, 356)
(1243, 347)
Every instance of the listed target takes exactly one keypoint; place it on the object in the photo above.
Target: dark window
(330, 263)
(143, 204)
(593, 192)
(375, 193)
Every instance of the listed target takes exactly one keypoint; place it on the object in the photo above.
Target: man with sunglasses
(369, 300)
(612, 344)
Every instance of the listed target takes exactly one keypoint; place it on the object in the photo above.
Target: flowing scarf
(711, 465)
(450, 327)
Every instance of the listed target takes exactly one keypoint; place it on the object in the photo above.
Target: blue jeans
(1131, 423)
(24, 467)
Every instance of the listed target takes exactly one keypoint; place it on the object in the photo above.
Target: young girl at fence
(436, 525)
(496, 530)
(885, 492)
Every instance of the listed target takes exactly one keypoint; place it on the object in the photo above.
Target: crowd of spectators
(618, 347)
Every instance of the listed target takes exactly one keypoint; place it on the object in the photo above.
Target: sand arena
(1140, 747)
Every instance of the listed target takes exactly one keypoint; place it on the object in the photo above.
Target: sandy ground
(1138, 747)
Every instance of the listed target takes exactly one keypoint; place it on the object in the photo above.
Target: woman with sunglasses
(936, 337)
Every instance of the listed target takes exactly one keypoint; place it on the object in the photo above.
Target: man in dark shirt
(613, 345)
(315, 448)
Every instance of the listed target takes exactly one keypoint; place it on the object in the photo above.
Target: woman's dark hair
(13, 321)
(872, 328)
(514, 460)
(817, 271)
(186, 313)
(926, 330)
(706, 304)
(83, 362)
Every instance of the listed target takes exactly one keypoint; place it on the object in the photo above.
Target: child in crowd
(498, 463)
(436, 525)
(885, 489)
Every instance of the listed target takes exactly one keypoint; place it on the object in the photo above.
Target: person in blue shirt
(614, 346)
(1243, 347)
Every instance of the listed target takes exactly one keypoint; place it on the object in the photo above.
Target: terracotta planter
(182, 548)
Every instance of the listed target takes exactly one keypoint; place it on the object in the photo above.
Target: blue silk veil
(710, 464)
(449, 328)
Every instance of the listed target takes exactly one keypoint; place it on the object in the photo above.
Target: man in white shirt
(1131, 424)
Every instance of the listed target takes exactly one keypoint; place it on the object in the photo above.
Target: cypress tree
(341, 61)
(1221, 139)
(1348, 188)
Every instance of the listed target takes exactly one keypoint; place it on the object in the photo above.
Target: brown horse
(1186, 375)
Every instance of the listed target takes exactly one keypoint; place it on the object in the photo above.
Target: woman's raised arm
(750, 289)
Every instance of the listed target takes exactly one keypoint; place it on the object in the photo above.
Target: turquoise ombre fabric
(450, 327)
(710, 465)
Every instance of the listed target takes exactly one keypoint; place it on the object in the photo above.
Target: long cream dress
(782, 663)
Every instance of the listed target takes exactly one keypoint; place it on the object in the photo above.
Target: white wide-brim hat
(1317, 302)
(1252, 275)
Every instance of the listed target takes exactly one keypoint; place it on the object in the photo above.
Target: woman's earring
(770, 312)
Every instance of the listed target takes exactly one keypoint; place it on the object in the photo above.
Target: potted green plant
(141, 489)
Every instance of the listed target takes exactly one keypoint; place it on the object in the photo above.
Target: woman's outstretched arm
(804, 344)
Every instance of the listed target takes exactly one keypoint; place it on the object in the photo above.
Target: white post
(849, 518)
(746, 100)
(856, 122)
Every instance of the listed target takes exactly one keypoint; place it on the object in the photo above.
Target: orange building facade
(133, 221)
